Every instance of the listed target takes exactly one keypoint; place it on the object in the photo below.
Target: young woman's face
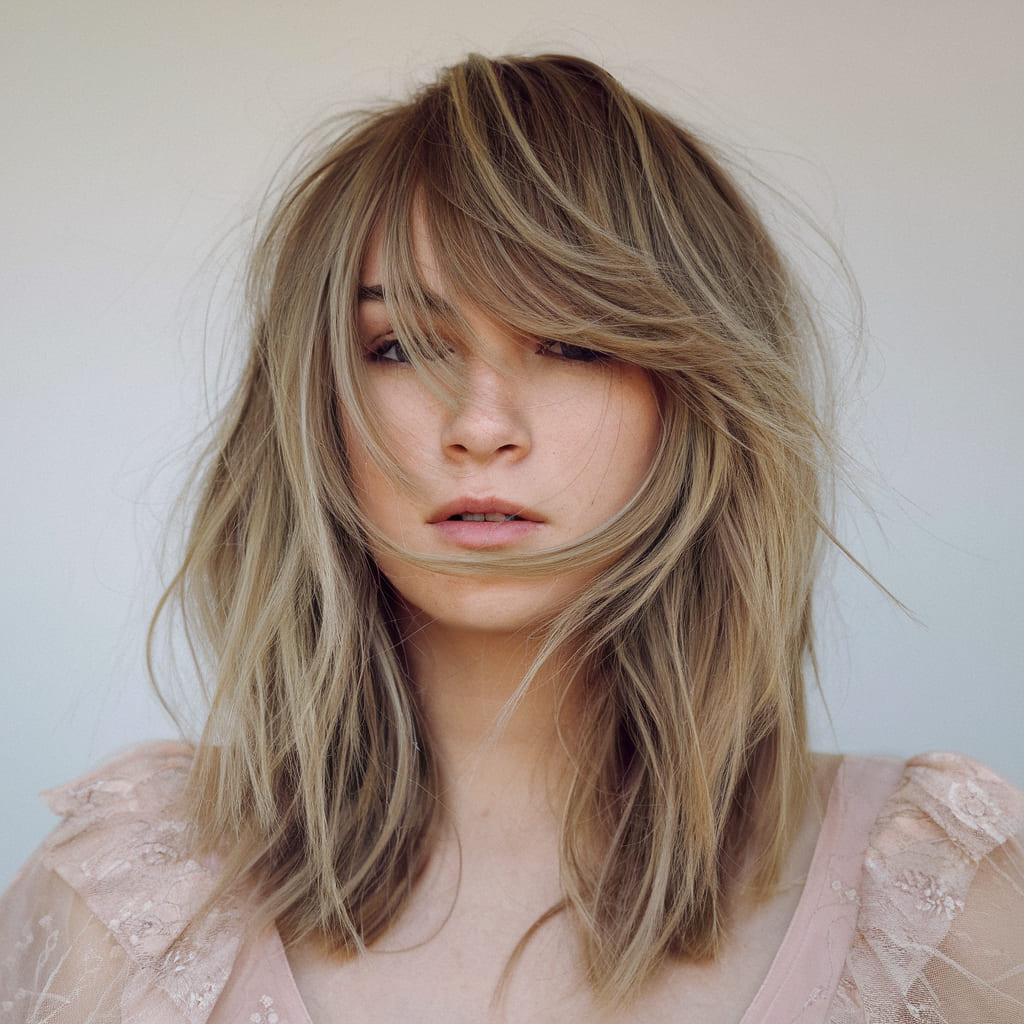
(544, 446)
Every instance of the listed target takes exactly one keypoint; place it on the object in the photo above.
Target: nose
(488, 419)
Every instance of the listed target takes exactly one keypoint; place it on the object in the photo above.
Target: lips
(475, 523)
(482, 517)
(483, 510)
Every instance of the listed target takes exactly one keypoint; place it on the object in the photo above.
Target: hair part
(567, 209)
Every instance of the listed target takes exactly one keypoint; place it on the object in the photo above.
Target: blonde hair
(571, 211)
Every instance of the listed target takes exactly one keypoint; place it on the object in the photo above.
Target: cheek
(636, 429)
(399, 418)
(373, 490)
(404, 417)
(378, 501)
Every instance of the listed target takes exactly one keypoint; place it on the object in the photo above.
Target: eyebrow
(375, 293)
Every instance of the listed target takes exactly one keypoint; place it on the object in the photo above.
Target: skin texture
(543, 432)
(566, 441)
(562, 440)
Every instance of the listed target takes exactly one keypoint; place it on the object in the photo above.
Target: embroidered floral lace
(913, 910)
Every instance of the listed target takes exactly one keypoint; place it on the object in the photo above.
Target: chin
(485, 607)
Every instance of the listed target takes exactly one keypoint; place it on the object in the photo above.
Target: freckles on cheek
(356, 456)
(365, 477)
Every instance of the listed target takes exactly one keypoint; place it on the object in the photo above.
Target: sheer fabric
(913, 910)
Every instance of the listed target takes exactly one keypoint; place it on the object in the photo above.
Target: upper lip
(500, 506)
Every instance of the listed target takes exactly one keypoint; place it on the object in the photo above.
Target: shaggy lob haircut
(571, 211)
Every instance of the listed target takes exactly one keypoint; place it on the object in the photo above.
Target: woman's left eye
(389, 351)
(574, 353)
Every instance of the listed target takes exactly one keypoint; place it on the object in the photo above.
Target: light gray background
(138, 135)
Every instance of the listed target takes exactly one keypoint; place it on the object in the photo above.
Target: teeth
(484, 517)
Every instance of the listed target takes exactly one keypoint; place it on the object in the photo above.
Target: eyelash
(378, 353)
(558, 349)
(571, 353)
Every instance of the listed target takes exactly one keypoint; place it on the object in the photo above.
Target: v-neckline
(804, 973)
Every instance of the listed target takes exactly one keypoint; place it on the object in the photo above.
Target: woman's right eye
(388, 350)
(570, 353)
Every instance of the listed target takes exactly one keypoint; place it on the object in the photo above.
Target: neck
(496, 742)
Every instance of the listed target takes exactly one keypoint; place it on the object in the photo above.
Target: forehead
(424, 255)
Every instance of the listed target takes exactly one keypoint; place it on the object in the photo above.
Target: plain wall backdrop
(138, 137)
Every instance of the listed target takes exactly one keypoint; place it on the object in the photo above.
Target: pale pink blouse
(913, 909)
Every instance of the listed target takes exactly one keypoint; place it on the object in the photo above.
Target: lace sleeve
(977, 972)
(59, 963)
(940, 933)
(101, 925)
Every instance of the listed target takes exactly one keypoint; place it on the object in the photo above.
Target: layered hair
(569, 210)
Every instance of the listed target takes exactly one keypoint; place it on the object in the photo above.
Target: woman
(501, 578)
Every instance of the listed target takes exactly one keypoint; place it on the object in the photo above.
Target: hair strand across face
(567, 210)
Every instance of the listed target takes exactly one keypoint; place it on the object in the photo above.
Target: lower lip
(474, 535)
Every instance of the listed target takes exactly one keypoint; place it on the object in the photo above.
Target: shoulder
(940, 926)
(139, 791)
(953, 798)
(115, 885)
(122, 845)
